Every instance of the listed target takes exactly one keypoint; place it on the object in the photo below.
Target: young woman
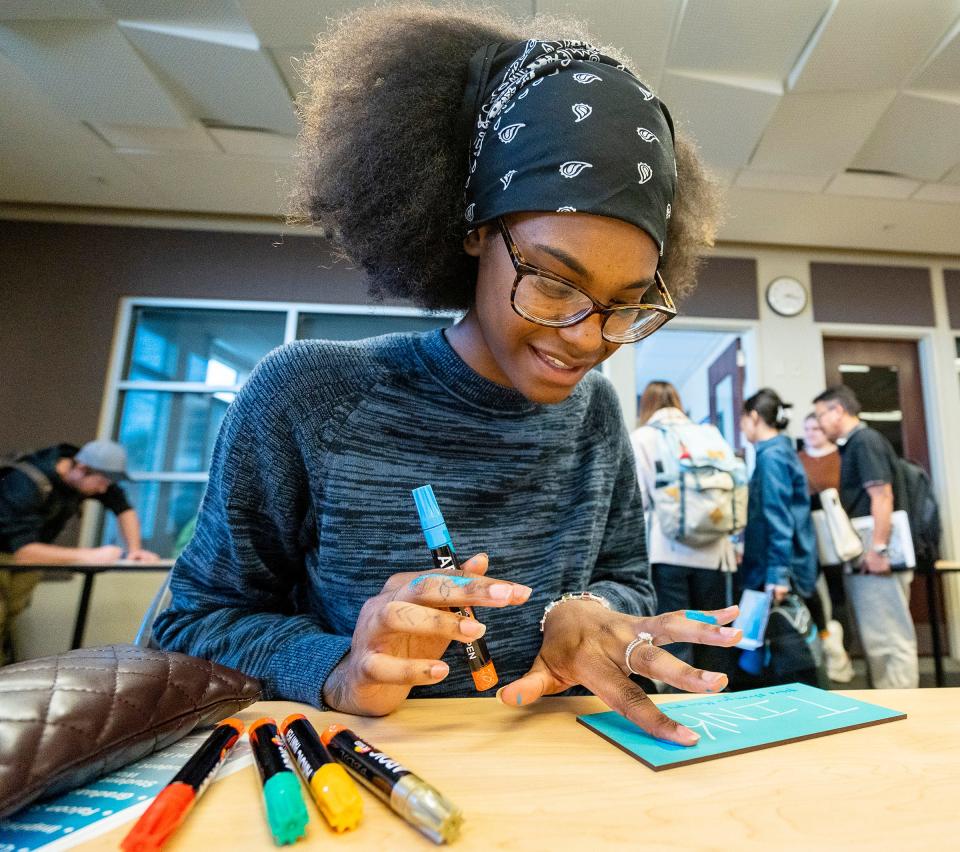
(684, 577)
(779, 548)
(539, 186)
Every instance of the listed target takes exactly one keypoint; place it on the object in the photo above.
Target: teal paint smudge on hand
(453, 578)
(519, 699)
(696, 615)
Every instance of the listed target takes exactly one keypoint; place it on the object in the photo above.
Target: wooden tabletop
(532, 779)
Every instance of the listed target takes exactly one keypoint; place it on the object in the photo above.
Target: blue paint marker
(696, 615)
(445, 559)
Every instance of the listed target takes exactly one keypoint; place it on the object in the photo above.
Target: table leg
(81, 622)
(934, 624)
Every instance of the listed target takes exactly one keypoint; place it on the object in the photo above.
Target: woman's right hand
(403, 632)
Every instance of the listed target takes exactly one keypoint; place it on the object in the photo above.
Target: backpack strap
(39, 479)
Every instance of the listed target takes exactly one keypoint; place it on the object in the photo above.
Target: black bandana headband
(558, 126)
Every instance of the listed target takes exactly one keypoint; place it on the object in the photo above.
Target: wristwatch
(881, 549)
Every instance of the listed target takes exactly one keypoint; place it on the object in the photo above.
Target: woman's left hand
(585, 643)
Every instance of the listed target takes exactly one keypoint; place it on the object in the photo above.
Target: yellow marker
(334, 791)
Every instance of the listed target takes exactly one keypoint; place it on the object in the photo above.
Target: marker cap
(431, 519)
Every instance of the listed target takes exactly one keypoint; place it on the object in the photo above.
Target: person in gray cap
(39, 494)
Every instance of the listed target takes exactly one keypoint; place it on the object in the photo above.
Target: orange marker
(171, 807)
(445, 559)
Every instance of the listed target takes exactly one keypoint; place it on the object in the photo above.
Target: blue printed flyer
(109, 801)
(735, 722)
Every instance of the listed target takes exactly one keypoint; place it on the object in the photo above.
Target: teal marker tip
(286, 811)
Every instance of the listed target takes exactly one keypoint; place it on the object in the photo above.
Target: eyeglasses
(547, 299)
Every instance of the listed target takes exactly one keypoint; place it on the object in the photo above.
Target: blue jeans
(680, 588)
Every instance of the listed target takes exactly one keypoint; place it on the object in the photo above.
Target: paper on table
(735, 722)
(112, 800)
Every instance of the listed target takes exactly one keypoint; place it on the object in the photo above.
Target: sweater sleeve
(232, 588)
(622, 571)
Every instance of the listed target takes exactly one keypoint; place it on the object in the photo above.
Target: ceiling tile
(221, 84)
(942, 71)
(80, 65)
(214, 183)
(301, 20)
(643, 31)
(254, 143)
(819, 133)
(288, 60)
(48, 158)
(299, 23)
(138, 138)
(780, 182)
(897, 146)
(744, 37)
(872, 186)
(52, 10)
(726, 120)
(939, 192)
(215, 14)
(874, 45)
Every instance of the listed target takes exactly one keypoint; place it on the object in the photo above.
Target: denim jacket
(779, 547)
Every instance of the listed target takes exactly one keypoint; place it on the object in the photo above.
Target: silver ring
(642, 639)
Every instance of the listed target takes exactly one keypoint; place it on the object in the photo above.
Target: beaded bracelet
(572, 596)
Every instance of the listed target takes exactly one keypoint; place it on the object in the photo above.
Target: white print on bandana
(566, 209)
(572, 168)
(586, 77)
(647, 94)
(645, 172)
(646, 135)
(669, 211)
(581, 111)
(505, 180)
(468, 213)
(508, 134)
(523, 94)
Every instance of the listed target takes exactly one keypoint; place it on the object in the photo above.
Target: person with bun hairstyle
(533, 181)
(779, 546)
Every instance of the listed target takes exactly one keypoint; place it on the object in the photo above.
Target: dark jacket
(27, 516)
(779, 545)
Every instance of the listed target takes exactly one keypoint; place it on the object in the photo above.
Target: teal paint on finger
(696, 615)
(519, 699)
(453, 578)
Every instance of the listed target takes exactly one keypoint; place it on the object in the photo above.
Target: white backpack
(700, 490)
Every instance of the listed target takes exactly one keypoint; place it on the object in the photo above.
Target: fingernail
(690, 736)
(501, 689)
(712, 677)
(439, 670)
(472, 628)
(521, 593)
(500, 592)
(729, 632)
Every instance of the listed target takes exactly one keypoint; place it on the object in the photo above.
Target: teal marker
(696, 615)
(286, 811)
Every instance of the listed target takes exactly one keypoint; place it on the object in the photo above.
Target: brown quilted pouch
(68, 719)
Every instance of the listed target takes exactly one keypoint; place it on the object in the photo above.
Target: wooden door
(885, 375)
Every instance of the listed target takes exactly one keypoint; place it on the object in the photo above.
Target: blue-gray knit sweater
(308, 510)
